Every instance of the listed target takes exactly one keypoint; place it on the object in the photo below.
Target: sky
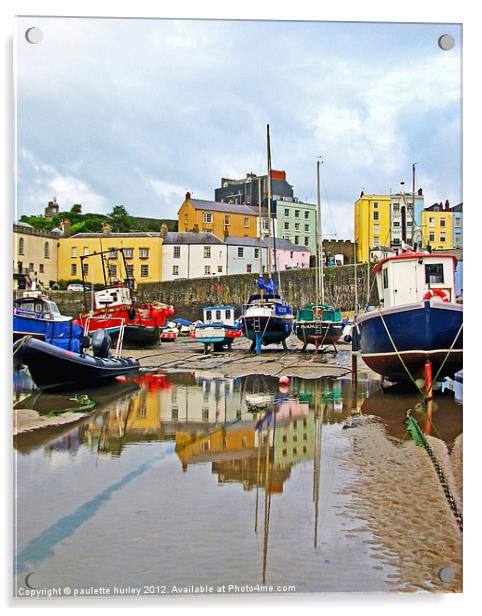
(138, 112)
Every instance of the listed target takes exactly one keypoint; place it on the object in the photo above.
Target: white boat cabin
(218, 314)
(112, 296)
(410, 276)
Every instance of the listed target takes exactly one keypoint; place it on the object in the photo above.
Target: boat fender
(101, 343)
(436, 293)
(346, 332)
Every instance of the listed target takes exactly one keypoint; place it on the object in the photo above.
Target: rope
(419, 438)
(24, 340)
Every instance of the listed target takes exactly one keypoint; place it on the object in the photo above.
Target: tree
(120, 219)
(76, 208)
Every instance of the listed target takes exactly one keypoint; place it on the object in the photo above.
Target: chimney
(163, 230)
(420, 192)
(361, 194)
(447, 205)
(106, 228)
(188, 196)
(66, 228)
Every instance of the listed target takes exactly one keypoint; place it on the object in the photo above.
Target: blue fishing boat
(36, 315)
(416, 332)
(218, 328)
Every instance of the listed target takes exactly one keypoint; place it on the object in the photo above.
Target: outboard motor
(101, 343)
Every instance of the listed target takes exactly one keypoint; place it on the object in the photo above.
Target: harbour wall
(189, 296)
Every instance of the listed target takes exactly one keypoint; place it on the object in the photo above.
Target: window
(227, 220)
(307, 215)
(205, 414)
(375, 205)
(297, 213)
(431, 237)
(30, 267)
(376, 240)
(227, 314)
(292, 254)
(218, 315)
(207, 217)
(130, 271)
(143, 253)
(209, 315)
(442, 222)
(46, 250)
(376, 215)
(385, 278)
(442, 237)
(458, 239)
(177, 252)
(86, 250)
(73, 252)
(248, 268)
(21, 246)
(265, 224)
(256, 253)
(396, 208)
(376, 229)
(129, 253)
(41, 268)
(246, 222)
(144, 271)
(287, 226)
(297, 226)
(457, 222)
(207, 252)
(434, 273)
(85, 269)
(112, 253)
(431, 222)
(220, 269)
(175, 270)
(174, 413)
(409, 223)
(207, 270)
(73, 269)
(112, 271)
(307, 228)
(297, 239)
(240, 252)
(287, 212)
(307, 241)
(396, 223)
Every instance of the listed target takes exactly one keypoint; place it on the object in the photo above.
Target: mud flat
(187, 354)
(399, 497)
(28, 420)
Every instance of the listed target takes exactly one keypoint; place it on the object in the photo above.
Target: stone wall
(189, 296)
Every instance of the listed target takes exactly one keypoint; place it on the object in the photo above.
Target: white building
(244, 255)
(193, 255)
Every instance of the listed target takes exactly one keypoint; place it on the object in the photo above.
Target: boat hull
(219, 335)
(273, 329)
(318, 333)
(420, 332)
(53, 368)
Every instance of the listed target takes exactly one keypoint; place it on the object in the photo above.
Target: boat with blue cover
(219, 328)
(34, 314)
(418, 320)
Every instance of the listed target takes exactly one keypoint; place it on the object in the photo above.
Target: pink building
(290, 256)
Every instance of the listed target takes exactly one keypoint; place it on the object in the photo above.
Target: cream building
(35, 255)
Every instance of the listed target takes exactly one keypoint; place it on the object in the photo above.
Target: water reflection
(252, 433)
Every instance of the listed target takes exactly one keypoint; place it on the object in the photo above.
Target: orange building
(221, 219)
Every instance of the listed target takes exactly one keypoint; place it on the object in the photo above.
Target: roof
(214, 206)
(114, 235)
(457, 208)
(412, 255)
(244, 241)
(219, 308)
(281, 244)
(190, 237)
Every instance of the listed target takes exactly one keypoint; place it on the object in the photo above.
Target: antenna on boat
(319, 229)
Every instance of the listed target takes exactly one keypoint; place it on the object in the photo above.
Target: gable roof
(215, 206)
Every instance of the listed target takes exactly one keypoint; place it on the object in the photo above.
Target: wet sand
(399, 497)
(28, 420)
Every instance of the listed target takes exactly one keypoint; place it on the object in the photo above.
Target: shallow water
(170, 484)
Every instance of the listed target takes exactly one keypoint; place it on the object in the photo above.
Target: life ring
(436, 292)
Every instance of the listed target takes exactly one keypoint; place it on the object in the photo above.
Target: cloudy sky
(137, 112)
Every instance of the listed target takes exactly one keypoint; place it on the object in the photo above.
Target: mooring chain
(419, 438)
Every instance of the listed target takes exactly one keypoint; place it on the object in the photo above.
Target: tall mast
(319, 231)
(269, 199)
(260, 229)
(413, 204)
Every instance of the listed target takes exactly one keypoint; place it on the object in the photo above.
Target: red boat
(142, 322)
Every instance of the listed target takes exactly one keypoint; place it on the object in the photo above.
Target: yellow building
(437, 227)
(372, 224)
(221, 219)
(34, 255)
(142, 251)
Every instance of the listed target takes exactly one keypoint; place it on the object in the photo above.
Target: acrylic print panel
(207, 441)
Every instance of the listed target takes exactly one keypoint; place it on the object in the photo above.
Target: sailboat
(318, 323)
(266, 318)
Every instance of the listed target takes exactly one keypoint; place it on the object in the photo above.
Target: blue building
(457, 225)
